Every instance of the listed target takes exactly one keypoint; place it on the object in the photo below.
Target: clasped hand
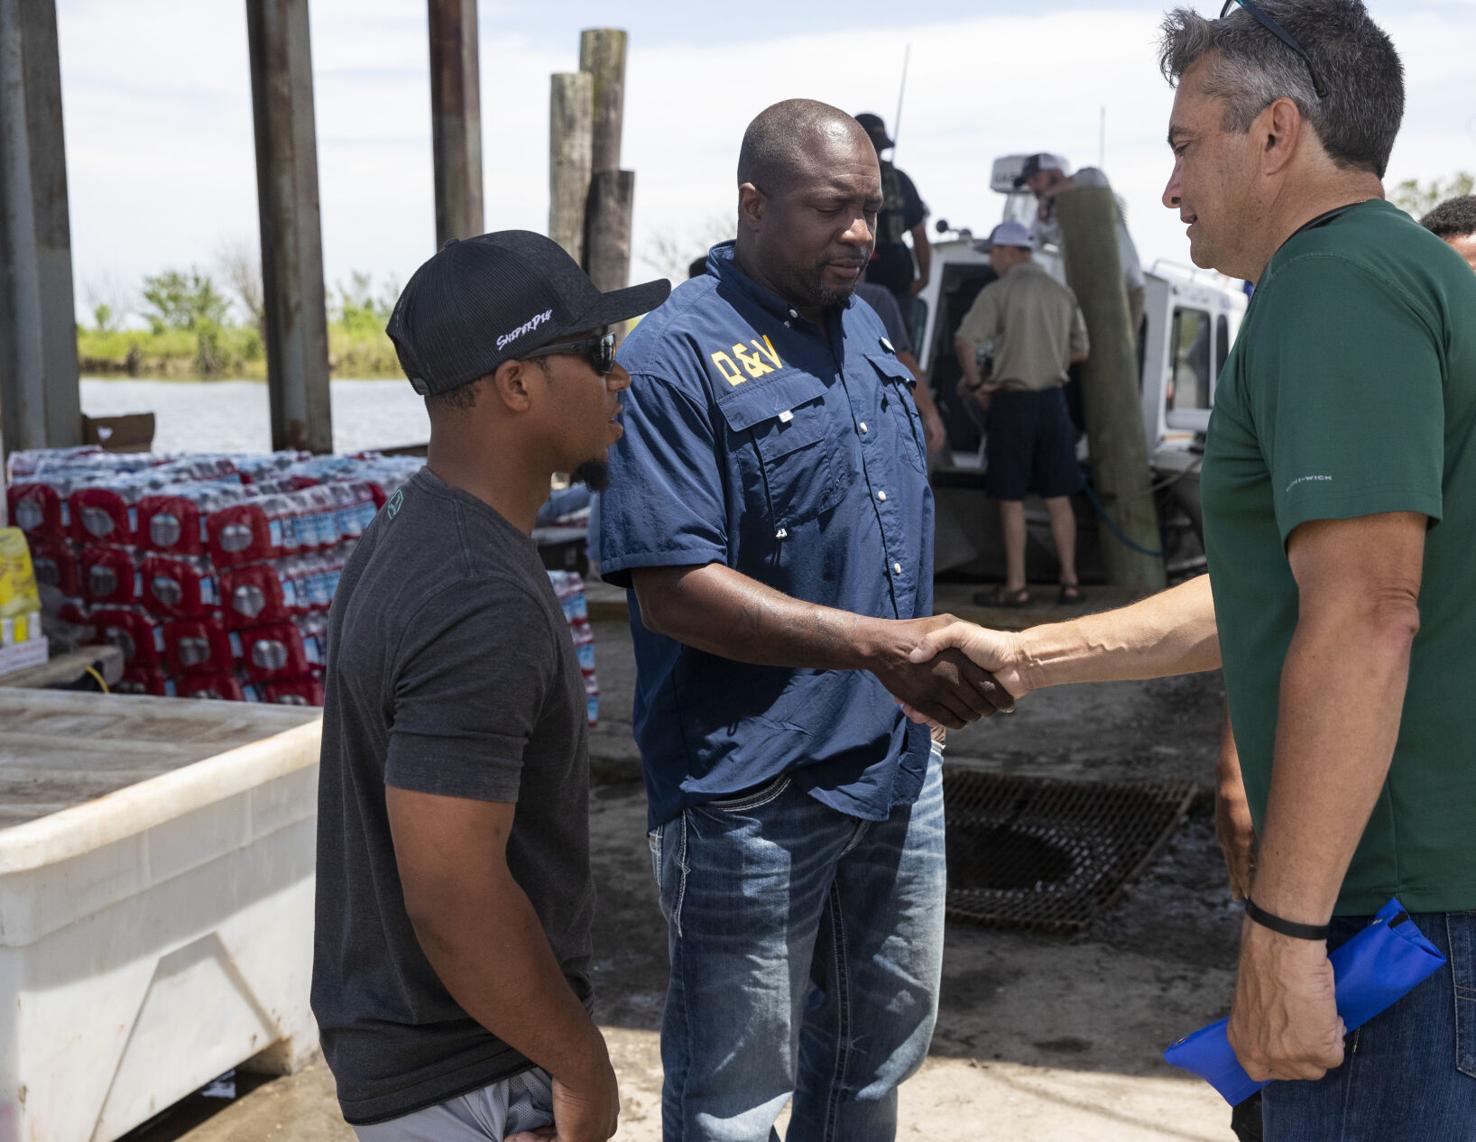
(948, 672)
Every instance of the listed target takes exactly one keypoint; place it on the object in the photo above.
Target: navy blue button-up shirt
(794, 455)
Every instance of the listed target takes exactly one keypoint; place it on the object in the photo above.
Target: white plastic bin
(156, 903)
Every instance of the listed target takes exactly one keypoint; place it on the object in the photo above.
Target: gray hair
(1358, 118)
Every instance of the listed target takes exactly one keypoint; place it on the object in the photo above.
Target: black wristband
(1284, 927)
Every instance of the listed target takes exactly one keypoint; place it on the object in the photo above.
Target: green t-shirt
(1352, 391)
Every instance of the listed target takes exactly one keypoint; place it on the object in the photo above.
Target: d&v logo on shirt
(396, 502)
(758, 362)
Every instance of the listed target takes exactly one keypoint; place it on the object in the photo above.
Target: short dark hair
(460, 399)
(1453, 218)
(1358, 117)
(777, 140)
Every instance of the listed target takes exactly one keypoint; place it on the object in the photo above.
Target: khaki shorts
(523, 1102)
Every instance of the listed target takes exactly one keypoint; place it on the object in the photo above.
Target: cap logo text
(527, 327)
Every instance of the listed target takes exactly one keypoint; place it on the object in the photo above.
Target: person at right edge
(1339, 490)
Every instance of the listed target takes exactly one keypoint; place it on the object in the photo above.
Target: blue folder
(1373, 970)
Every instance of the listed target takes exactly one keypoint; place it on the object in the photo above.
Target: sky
(157, 105)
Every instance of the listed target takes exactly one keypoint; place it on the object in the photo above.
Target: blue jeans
(1407, 1074)
(806, 948)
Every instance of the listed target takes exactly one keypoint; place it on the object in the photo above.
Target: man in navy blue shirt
(769, 506)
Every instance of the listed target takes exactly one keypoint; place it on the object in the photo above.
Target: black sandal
(1070, 595)
(999, 597)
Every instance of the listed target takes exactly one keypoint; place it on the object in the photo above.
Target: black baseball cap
(481, 301)
(872, 124)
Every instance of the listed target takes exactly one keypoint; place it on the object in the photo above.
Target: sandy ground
(1040, 1038)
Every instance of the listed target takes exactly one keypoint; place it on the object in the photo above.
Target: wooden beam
(607, 237)
(602, 54)
(40, 405)
(296, 316)
(456, 118)
(1119, 454)
(570, 127)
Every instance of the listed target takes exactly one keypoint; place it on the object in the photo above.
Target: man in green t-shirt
(1339, 490)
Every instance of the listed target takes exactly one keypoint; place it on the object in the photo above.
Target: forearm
(968, 361)
(924, 251)
(1172, 632)
(924, 397)
(491, 954)
(724, 612)
(1228, 778)
(1334, 744)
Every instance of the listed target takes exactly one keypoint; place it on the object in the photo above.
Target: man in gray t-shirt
(451, 953)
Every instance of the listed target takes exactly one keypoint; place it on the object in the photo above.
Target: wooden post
(456, 119)
(607, 242)
(570, 127)
(602, 54)
(1119, 454)
(611, 190)
(295, 307)
(39, 395)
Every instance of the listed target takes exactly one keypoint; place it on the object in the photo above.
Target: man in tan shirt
(1031, 328)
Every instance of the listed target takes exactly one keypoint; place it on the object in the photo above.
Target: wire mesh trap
(1050, 854)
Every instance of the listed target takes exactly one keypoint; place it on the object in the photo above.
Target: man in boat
(1339, 491)
(1046, 175)
(451, 959)
(769, 507)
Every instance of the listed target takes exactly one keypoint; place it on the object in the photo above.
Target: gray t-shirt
(450, 671)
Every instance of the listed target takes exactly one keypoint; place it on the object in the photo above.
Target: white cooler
(156, 903)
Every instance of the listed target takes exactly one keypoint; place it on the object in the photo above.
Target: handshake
(946, 671)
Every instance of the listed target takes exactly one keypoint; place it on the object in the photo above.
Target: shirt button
(862, 426)
(896, 568)
(882, 496)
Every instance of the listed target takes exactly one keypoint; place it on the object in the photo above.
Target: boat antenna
(901, 94)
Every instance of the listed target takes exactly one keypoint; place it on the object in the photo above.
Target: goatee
(593, 474)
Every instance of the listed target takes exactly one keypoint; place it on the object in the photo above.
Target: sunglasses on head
(1281, 34)
(598, 351)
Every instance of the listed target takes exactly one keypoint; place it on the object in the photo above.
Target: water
(232, 416)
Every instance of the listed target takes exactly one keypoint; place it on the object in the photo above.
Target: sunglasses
(598, 351)
(1281, 34)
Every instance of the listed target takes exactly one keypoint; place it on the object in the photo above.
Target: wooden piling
(611, 190)
(1119, 454)
(40, 406)
(570, 128)
(602, 54)
(456, 118)
(607, 240)
(296, 316)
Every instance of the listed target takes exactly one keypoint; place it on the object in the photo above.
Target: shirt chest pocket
(786, 447)
(898, 403)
